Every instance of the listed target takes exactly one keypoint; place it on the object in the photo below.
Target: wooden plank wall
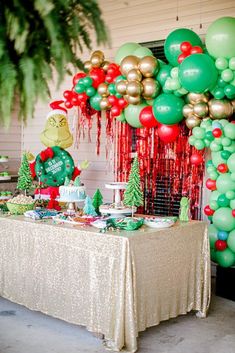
(127, 20)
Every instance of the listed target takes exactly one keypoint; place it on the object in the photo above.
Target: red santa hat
(57, 109)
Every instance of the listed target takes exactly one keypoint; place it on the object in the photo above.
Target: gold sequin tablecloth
(114, 284)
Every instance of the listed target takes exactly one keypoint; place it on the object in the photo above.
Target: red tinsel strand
(98, 116)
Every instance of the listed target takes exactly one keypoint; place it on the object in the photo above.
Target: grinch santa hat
(57, 109)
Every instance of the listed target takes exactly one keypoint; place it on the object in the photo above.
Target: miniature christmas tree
(97, 200)
(88, 208)
(184, 209)
(77, 181)
(133, 196)
(25, 178)
(66, 181)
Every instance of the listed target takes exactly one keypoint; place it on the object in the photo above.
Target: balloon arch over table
(195, 87)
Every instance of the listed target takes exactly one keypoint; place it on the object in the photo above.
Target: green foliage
(97, 200)
(88, 208)
(133, 196)
(36, 38)
(25, 177)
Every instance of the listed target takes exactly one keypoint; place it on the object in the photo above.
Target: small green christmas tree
(133, 196)
(25, 177)
(88, 208)
(66, 181)
(97, 200)
(77, 181)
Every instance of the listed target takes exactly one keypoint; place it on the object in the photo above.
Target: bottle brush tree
(97, 200)
(25, 177)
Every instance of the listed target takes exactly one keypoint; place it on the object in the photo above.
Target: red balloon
(147, 118)
(109, 78)
(113, 100)
(68, 104)
(185, 47)
(196, 50)
(208, 211)
(82, 98)
(168, 133)
(211, 184)
(220, 245)
(68, 94)
(122, 103)
(181, 57)
(98, 76)
(222, 168)
(77, 77)
(233, 213)
(217, 132)
(196, 159)
(115, 110)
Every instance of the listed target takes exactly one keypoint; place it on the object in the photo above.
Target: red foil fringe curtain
(165, 169)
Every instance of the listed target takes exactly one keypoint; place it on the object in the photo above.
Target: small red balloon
(222, 168)
(185, 47)
(208, 211)
(181, 57)
(98, 76)
(147, 118)
(220, 245)
(68, 94)
(122, 103)
(217, 132)
(113, 100)
(68, 104)
(168, 133)
(82, 97)
(196, 159)
(233, 213)
(115, 110)
(77, 77)
(211, 184)
(196, 50)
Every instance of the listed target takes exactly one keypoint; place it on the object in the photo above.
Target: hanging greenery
(36, 38)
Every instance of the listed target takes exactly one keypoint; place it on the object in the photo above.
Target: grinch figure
(184, 209)
(56, 131)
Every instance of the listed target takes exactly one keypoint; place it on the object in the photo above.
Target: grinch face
(56, 132)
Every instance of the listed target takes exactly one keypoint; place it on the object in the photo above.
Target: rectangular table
(116, 284)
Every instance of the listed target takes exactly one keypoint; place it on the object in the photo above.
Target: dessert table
(115, 283)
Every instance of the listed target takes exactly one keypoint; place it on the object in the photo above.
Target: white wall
(127, 20)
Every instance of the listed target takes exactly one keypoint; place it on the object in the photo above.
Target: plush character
(56, 131)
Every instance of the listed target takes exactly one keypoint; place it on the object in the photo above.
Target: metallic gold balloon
(87, 65)
(130, 62)
(103, 89)
(201, 109)
(134, 88)
(121, 87)
(187, 110)
(192, 121)
(148, 66)
(134, 75)
(105, 65)
(133, 100)
(151, 88)
(98, 53)
(194, 98)
(104, 104)
(96, 60)
(220, 108)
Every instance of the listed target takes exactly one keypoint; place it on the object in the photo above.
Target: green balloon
(229, 131)
(220, 38)
(229, 90)
(224, 183)
(218, 93)
(213, 205)
(221, 63)
(211, 168)
(231, 240)
(223, 219)
(199, 144)
(207, 142)
(213, 175)
(163, 74)
(231, 163)
(199, 132)
(215, 147)
(90, 91)
(132, 114)
(227, 75)
(230, 148)
(226, 141)
(225, 258)
(230, 195)
(174, 40)
(197, 73)
(213, 255)
(209, 163)
(214, 195)
(223, 201)
(112, 88)
(232, 204)
(95, 101)
(212, 233)
(221, 83)
(142, 51)
(121, 118)
(167, 109)
(120, 78)
(87, 81)
(125, 50)
(191, 140)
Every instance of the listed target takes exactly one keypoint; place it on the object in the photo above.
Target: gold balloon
(220, 108)
(201, 109)
(151, 88)
(87, 65)
(96, 60)
(104, 104)
(148, 66)
(105, 65)
(134, 75)
(133, 100)
(103, 89)
(121, 87)
(187, 110)
(134, 88)
(130, 62)
(192, 121)
(98, 53)
(194, 98)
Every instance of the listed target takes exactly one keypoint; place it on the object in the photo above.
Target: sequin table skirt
(116, 284)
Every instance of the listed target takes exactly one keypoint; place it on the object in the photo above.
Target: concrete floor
(25, 331)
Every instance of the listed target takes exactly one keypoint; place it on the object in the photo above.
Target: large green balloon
(142, 51)
(125, 50)
(231, 163)
(231, 240)
(214, 195)
(220, 38)
(132, 114)
(217, 158)
(212, 233)
(225, 258)
(224, 183)
(198, 73)
(167, 109)
(223, 219)
(174, 40)
(163, 74)
(95, 101)
(229, 131)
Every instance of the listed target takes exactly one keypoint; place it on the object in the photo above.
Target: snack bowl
(19, 209)
(159, 222)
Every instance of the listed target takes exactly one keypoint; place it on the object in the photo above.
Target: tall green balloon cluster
(219, 136)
